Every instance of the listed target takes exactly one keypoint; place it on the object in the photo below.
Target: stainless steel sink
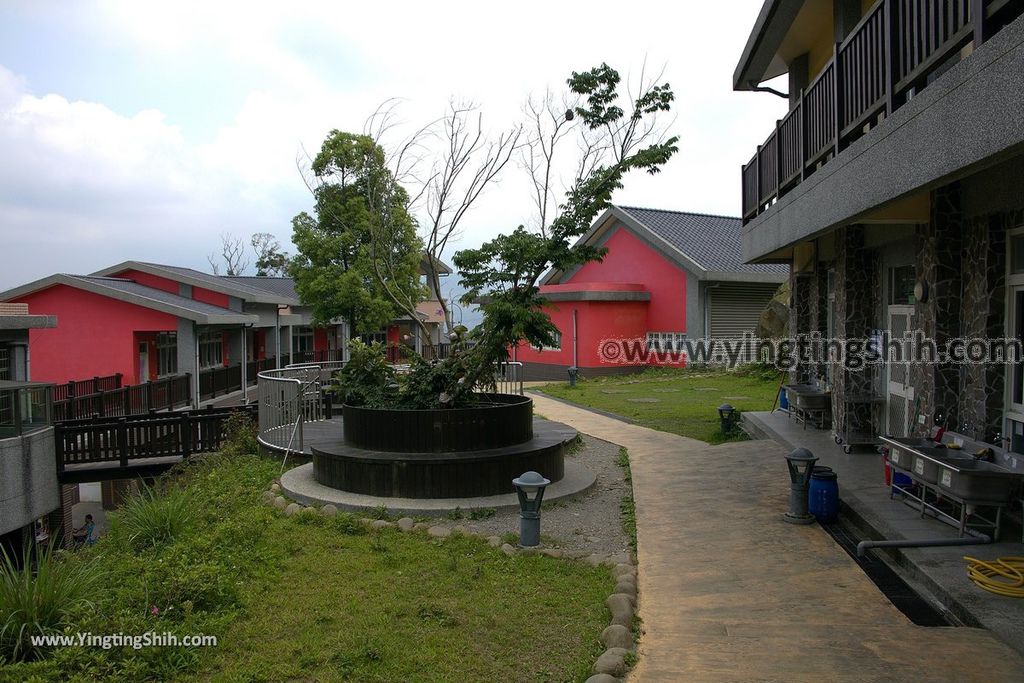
(954, 470)
(978, 480)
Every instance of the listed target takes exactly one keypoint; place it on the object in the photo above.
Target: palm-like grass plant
(149, 519)
(38, 599)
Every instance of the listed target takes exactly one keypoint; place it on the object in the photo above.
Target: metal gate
(899, 393)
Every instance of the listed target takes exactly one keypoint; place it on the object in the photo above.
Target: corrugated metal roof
(713, 242)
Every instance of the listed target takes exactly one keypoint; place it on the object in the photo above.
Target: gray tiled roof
(158, 295)
(713, 242)
(281, 286)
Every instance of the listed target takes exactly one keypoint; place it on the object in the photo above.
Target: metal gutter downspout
(974, 538)
(575, 345)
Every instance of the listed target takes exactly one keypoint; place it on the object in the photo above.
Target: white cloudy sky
(138, 130)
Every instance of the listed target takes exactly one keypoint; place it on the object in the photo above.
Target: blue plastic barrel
(783, 399)
(823, 497)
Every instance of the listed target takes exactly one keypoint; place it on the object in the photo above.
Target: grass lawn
(683, 402)
(309, 598)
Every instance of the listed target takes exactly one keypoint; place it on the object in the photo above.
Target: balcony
(25, 407)
(894, 52)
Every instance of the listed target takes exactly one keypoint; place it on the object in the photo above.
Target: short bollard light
(530, 489)
(574, 373)
(726, 418)
(801, 465)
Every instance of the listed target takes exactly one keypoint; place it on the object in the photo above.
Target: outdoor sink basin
(977, 480)
(928, 467)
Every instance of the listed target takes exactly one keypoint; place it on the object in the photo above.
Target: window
(901, 286)
(166, 354)
(302, 340)
(5, 362)
(211, 349)
(556, 346)
(666, 341)
(380, 337)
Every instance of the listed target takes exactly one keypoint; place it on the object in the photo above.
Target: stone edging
(617, 638)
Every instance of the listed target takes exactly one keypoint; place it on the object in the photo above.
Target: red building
(667, 275)
(146, 321)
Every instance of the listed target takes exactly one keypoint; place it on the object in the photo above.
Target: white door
(899, 394)
(143, 362)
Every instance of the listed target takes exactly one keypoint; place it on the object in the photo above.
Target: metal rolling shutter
(737, 306)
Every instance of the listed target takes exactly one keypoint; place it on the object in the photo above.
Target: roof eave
(730, 276)
(772, 24)
(128, 297)
(254, 296)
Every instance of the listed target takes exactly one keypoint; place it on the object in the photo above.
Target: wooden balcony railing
(888, 57)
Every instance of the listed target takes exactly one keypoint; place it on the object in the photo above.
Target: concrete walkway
(729, 592)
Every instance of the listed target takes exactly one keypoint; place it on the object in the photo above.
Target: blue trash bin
(823, 497)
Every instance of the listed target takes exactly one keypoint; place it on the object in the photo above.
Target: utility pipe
(575, 360)
(975, 538)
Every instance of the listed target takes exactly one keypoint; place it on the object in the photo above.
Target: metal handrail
(289, 397)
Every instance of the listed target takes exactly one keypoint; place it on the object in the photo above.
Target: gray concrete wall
(694, 307)
(966, 120)
(186, 347)
(28, 479)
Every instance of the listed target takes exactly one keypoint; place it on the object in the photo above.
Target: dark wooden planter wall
(500, 420)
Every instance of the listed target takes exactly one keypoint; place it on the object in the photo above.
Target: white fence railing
(288, 398)
(508, 378)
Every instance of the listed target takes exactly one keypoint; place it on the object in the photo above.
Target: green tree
(504, 272)
(270, 260)
(359, 222)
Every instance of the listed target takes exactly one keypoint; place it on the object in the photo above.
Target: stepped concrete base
(299, 485)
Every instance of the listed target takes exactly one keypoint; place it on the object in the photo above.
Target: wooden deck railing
(889, 56)
(103, 440)
(166, 393)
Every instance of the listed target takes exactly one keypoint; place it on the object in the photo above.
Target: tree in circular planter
(503, 273)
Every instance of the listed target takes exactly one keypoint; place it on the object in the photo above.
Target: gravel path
(590, 522)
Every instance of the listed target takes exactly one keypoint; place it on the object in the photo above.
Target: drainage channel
(900, 594)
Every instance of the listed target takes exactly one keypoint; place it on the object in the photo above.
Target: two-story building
(29, 490)
(894, 190)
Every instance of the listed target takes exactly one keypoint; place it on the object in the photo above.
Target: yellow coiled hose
(1002, 576)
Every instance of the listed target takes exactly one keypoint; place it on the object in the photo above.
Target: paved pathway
(729, 592)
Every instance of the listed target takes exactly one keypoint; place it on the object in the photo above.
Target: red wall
(629, 259)
(156, 282)
(210, 297)
(95, 335)
(629, 265)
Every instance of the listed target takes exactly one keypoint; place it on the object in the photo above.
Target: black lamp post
(726, 418)
(530, 489)
(801, 465)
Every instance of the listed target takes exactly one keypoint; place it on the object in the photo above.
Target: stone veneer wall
(800, 313)
(984, 316)
(858, 293)
(939, 264)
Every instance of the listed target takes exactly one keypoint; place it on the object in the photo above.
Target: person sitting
(85, 534)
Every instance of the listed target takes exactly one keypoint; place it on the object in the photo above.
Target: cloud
(86, 182)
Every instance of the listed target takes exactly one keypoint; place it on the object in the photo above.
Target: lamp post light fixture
(530, 489)
(801, 465)
(726, 418)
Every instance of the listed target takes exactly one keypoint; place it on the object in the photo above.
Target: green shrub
(41, 601)
(151, 519)
(240, 435)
